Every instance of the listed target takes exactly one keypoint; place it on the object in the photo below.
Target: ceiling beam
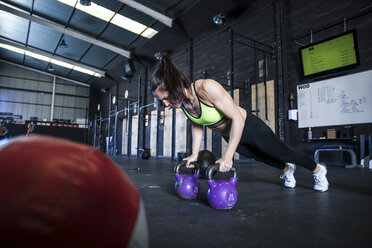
(148, 11)
(43, 72)
(10, 9)
(50, 55)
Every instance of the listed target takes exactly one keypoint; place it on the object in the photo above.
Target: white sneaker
(320, 178)
(289, 179)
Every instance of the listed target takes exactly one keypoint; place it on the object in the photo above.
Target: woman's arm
(29, 129)
(197, 136)
(214, 93)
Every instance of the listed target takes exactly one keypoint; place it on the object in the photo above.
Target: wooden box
(331, 133)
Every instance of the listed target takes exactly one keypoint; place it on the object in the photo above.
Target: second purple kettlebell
(222, 194)
(187, 185)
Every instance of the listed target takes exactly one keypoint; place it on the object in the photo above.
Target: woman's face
(163, 95)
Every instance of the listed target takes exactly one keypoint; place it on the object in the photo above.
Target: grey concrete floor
(266, 214)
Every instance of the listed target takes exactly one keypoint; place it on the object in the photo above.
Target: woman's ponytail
(170, 77)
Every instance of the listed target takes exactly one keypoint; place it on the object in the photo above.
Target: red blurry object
(57, 193)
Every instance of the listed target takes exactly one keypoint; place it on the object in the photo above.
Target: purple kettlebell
(222, 194)
(187, 186)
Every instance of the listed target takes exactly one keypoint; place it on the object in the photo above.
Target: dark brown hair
(168, 75)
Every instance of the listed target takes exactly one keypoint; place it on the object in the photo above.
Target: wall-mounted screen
(331, 55)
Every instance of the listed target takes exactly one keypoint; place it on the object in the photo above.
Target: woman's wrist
(229, 156)
(195, 155)
(195, 152)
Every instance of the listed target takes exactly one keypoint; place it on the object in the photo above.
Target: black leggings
(260, 143)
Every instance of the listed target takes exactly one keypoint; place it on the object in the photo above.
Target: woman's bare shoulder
(209, 90)
(206, 85)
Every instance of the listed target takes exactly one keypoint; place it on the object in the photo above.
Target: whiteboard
(337, 101)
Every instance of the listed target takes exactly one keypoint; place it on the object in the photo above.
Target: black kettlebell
(145, 154)
(205, 159)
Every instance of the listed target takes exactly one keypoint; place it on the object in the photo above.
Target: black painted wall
(258, 22)
(303, 16)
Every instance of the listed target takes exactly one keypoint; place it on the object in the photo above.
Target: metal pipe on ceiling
(49, 55)
(45, 73)
(148, 11)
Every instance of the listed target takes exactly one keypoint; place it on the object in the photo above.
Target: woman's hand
(190, 159)
(225, 164)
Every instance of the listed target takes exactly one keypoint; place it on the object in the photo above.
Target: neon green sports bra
(209, 116)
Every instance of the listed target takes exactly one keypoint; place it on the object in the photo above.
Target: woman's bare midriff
(225, 128)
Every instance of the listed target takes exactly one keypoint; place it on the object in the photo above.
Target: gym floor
(266, 214)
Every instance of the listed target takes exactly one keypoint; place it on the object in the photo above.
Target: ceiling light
(61, 63)
(37, 56)
(110, 16)
(126, 94)
(128, 24)
(85, 2)
(129, 67)
(12, 48)
(50, 60)
(92, 9)
(218, 19)
(83, 70)
(158, 56)
(97, 11)
(50, 68)
(149, 33)
(128, 70)
(71, 3)
(63, 44)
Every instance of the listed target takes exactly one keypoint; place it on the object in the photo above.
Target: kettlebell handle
(215, 167)
(178, 167)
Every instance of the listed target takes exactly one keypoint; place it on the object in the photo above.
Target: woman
(30, 129)
(3, 130)
(206, 102)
